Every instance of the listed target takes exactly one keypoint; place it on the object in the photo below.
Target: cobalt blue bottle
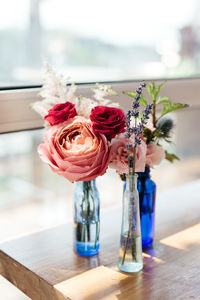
(86, 218)
(147, 197)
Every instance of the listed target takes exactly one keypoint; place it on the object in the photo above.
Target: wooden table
(44, 266)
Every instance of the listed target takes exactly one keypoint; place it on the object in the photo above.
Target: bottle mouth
(132, 176)
(131, 182)
(144, 174)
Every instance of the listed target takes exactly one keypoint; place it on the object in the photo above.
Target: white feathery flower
(109, 103)
(54, 91)
(84, 106)
(41, 107)
(103, 91)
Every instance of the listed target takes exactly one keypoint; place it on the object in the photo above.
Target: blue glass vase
(147, 197)
(86, 218)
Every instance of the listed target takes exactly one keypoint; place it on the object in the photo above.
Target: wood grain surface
(44, 266)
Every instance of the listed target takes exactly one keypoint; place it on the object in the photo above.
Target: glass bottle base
(128, 267)
(86, 249)
(130, 254)
(146, 243)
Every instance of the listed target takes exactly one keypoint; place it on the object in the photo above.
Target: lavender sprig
(137, 128)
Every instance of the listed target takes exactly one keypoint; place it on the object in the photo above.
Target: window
(114, 40)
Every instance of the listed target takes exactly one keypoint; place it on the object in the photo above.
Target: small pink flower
(155, 154)
(119, 155)
(72, 149)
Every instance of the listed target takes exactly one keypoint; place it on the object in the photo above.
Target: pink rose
(155, 154)
(74, 151)
(119, 155)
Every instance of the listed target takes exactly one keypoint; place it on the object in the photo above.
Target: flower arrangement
(98, 124)
(78, 130)
(130, 241)
(161, 127)
(149, 151)
(77, 146)
(158, 130)
(134, 157)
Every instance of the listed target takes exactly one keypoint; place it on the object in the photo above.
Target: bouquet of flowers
(77, 145)
(130, 258)
(78, 130)
(161, 127)
(151, 147)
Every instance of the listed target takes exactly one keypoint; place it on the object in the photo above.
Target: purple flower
(139, 127)
(137, 140)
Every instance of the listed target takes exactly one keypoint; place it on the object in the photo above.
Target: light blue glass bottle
(147, 196)
(130, 256)
(86, 218)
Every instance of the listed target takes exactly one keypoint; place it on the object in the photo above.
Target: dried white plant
(58, 89)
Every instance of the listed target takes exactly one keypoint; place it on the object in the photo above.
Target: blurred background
(89, 41)
(109, 40)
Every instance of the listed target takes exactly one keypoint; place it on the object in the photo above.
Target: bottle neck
(145, 174)
(131, 182)
(87, 184)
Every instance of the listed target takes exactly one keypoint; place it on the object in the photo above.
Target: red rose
(109, 121)
(60, 113)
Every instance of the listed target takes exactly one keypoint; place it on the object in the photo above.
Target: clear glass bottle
(147, 196)
(86, 218)
(130, 257)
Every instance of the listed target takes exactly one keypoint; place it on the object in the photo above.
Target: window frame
(16, 114)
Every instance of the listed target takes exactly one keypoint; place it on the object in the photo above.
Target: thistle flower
(164, 126)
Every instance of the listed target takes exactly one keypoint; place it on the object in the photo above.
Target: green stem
(134, 158)
(134, 153)
(94, 219)
(96, 236)
(88, 209)
(132, 239)
(83, 233)
(133, 247)
(83, 225)
(154, 114)
(129, 170)
(126, 245)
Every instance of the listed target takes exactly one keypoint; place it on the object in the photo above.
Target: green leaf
(110, 92)
(142, 100)
(157, 89)
(171, 157)
(163, 100)
(149, 89)
(153, 85)
(140, 116)
(167, 108)
(130, 94)
(161, 86)
(153, 90)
